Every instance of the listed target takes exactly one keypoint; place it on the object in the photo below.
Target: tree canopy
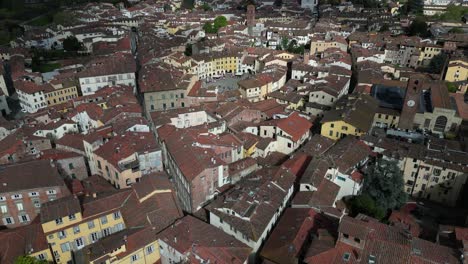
(29, 260)
(419, 27)
(219, 22)
(384, 184)
(188, 49)
(437, 63)
(364, 204)
(453, 14)
(71, 43)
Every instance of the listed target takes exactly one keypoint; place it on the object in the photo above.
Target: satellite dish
(410, 103)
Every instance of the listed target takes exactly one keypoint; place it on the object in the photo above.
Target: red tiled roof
(295, 125)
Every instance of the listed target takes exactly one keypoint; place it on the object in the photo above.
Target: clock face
(410, 103)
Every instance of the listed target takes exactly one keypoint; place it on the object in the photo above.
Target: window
(99, 164)
(65, 247)
(332, 125)
(344, 128)
(436, 172)
(357, 240)
(8, 221)
(116, 215)
(346, 236)
(76, 229)
(2, 198)
(79, 242)
(104, 220)
(70, 166)
(33, 194)
(3, 209)
(37, 203)
(16, 196)
(134, 258)
(42, 256)
(24, 218)
(341, 178)
(116, 175)
(330, 133)
(346, 256)
(90, 224)
(289, 145)
(150, 249)
(58, 221)
(20, 206)
(49, 192)
(94, 236)
(62, 234)
(72, 217)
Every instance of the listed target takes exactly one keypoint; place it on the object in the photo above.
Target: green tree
(437, 63)
(206, 7)
(28, 260)
(384, 184)
(278, 3)
(364, 204)
(188, 49)
(284, 43)
(71, 44)
(167, 7)
(418, 27)
(219, 22)
(208, 28)
(451, 87)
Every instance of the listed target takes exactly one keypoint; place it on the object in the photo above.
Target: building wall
(170, 255)
(337, 129)
(58, 132)
(89, 85)
(3, 86)
(428, 120)
(142, 255)
(320, 46)
(74, 168)
(60, 96)
(28, 204)
(32, 102)
(121, 179)
(457, 70)
(386, 120)
(102, 225)
(156, 101)
(435, 183)
(322, 98)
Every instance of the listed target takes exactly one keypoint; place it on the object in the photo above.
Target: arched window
(440, 123)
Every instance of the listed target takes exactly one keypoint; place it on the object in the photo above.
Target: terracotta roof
(29, 175)
(190, 236)
(295, 125)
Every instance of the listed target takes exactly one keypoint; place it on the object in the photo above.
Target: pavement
(228, 82)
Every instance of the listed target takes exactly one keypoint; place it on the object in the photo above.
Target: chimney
(175, 239)
(306, 57)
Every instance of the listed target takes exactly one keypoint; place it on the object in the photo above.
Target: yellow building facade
(73, 232)
(457, 70)
(60, 94)
(338, 129)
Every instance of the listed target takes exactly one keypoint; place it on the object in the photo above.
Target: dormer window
(16, 196)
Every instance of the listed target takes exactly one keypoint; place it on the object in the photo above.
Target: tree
(278, 3)
(384, 184)
(71, 43)
(364, 204)
(206, 7)
(188, 49)
(284, 43)
(208, 28)
(219, 22)
(451, 87)
(167, 7)
(418, 27)
(437, 63)
(29, 260)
